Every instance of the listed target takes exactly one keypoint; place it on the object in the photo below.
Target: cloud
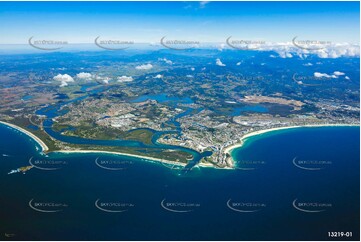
(64, 79)
(84, 75)
(192, 68)
(125, 79)
(189, 76)
(203, 4)
(239, 63)
(158, 76)
(338, 73)
(219, 62)
(169, 62)
(284, 54)
(289, 50)
(144, 67)
(347, 78)
(104, 79)
(320, 75)
(196, 5)
(335, 74)
(221, 47)
(308, 64)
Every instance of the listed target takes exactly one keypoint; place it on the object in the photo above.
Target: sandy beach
(259, 132)
(151, 159)
(44, 147)
(228, 149)
(122, 154)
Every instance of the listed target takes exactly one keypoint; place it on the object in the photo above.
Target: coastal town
(174, 113)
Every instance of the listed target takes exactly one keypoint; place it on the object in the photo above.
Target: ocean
(295, 184)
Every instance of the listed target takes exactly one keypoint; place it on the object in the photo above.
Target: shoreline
(122, 154)
(239, 144)
(44, 148)
(227, 150)
(151, 159)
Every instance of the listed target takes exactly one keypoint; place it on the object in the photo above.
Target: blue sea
(296, 184)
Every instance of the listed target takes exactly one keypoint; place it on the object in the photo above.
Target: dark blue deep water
(261, 194)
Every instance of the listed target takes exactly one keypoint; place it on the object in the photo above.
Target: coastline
(43, 146)
(122, 154)
(152, 159)
(228, 149)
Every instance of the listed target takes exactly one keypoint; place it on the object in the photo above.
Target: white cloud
(339, 73)
(288, 50)
(189, 76)
(203, 4)
(347, 78)
(239, 63)
(308, 64)
(335, 74)
(320, 75)
(103, 79)
(169, 62)
(84, 75)
(125, 79)
(158, 76)
(221, 47)
(219, 62)
(192, 69)
(285, 54)
(64, 79)
(144, 67)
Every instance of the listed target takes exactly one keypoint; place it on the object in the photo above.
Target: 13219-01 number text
(339, 234)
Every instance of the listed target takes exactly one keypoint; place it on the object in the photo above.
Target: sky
(80, 22)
